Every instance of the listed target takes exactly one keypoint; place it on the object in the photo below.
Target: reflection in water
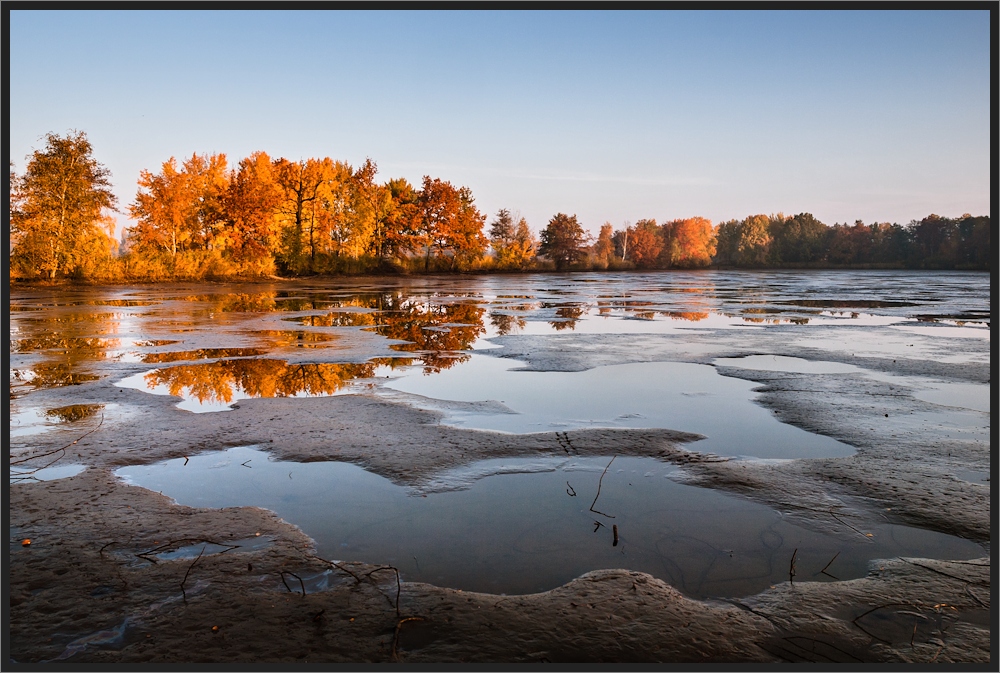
(295, 338)
(74, 412)
(505, 323)
(226, 380)
(201, 354)
(51, 376)
(512, 525)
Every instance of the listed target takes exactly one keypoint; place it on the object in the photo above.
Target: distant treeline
(203, 219)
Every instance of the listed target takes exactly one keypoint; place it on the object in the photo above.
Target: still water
(605, 350)
(529, 526)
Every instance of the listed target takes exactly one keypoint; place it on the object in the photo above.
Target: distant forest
(202, 219)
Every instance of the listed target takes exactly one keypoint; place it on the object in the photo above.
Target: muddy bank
(389, 438)
(82, 592)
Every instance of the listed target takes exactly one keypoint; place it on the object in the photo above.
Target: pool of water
(520, 526)
(674, 395)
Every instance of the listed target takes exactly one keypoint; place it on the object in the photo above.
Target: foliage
(201, 219)
(58, 222)
(563, 241)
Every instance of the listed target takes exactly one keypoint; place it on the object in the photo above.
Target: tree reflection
(216, 382)
(506, 323)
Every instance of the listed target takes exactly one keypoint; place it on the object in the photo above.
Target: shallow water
(429, 340)
(674, 395)
(526, 525)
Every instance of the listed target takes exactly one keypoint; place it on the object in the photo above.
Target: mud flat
(116, 573)
(90, 587)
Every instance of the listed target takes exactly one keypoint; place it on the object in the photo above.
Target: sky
(613, 116)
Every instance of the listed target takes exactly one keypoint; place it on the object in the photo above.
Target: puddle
(216, 386)
(516, 528)
(782, 363)
(673, 395)
(206, 548)
(23, 475)
(33, 420)
(975, 476)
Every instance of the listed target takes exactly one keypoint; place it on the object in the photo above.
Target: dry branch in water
(599, 482)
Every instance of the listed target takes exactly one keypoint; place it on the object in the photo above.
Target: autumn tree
(180, 208)
(58, 207)
(300, 184)
(450, 223)
(689, 242)
(250, 205)
(604, 247)
(646, 243)
(563, 241)
(511, 240)
(402, 233)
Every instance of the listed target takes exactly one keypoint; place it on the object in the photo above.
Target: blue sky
(613, 115)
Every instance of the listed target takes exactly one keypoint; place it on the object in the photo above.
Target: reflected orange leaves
(200, 354)
(504, 323)
(220, 381)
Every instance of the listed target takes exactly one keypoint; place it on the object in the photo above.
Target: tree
(689, 242)
(604, 248)
(250, 204)
(450, 223)
(300, 183)
(512, 242)
(58, 206)
(755, 241)
(178, 209)
(563, 241)
(647, 243)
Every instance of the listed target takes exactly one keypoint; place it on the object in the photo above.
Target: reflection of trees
(569, 315)
(336, 319)
(506, 323)
(51, 375)
(218, 381)
(296, 338)
(66, 339)
(201, 354)
(693, 316)
(96, 346)
(74, 412)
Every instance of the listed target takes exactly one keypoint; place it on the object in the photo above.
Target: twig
(823, 571)
(244, 463)
(861, 533)
(63, 449)
(791, 566)
(301, 583)
(569, 490)
(614, 531)
(599, 482)
(395, 637)
(184, 581)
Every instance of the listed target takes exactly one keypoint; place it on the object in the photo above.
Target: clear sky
(611, 115)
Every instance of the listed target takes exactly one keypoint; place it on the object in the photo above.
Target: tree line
(201, 218)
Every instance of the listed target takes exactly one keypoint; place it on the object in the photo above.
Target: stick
(301, 583)
(63, 448)
(791, 566)
(614, 530)
(395, 637)
(570, 491)
(599, 482)
(828, 565)
(184, 581)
